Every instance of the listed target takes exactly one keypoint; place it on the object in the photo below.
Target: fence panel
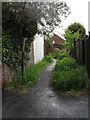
(77, 51)
(82, 53)
(88, 56)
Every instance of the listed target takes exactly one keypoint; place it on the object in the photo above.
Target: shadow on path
(42, 102)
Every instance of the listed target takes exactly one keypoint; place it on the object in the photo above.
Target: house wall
(38, 45)
(57, 40)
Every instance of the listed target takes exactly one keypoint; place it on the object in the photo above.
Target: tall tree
(77, 27)
(74, 31)
(49, 14)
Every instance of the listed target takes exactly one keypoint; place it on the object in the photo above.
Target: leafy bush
(63, 55)
(55, 54)
(65, 64)
(68, 75)
(48, 59)
(70, 36)
(59, 54)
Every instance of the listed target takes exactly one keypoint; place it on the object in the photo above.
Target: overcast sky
(79, 13)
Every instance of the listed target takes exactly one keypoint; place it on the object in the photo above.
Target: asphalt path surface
(41, 101)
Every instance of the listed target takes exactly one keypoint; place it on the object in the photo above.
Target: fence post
(86, 52)
(74, 49)
(88, 55)
(83, 52)
(79, 52)
(86, 49)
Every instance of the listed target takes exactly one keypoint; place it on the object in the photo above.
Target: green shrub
(69, 76)
(65, 64)
(59, 54)
(48, 59)
(55, 54)
(63, 55)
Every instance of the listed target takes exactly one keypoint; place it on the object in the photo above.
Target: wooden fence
(82, 52)
(46, 49)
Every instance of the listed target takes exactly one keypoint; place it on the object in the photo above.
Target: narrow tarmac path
(42, 102)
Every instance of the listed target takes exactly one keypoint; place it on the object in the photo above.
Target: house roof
(59, 34)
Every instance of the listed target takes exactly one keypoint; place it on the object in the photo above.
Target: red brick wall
(57, 40)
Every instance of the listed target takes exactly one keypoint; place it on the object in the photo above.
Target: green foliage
(20, 20)
(73, 92)
(10, 55)
(74, 31)
(69, 76)
(65, 64)
(9, 86)
(48, 59)
(31, 74)
(16, 21)
(70, 36)
(77, 27)
(63, 55)
(13, 29)
(59, 54)
(55, 54)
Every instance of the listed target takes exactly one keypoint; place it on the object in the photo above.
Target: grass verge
(31, 76)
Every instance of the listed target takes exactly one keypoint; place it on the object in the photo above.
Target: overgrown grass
(68, 76)
(31, 74)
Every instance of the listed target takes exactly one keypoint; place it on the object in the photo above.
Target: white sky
(79, 13)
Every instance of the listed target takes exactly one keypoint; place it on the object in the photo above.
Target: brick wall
(57, 39)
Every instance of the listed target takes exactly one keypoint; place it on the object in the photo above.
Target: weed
(69, 76)
(31, 75)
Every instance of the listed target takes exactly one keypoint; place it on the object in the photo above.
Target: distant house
(57, 41)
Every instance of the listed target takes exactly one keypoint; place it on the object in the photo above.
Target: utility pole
(24, 35)
(23, 41)
(23, 45)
